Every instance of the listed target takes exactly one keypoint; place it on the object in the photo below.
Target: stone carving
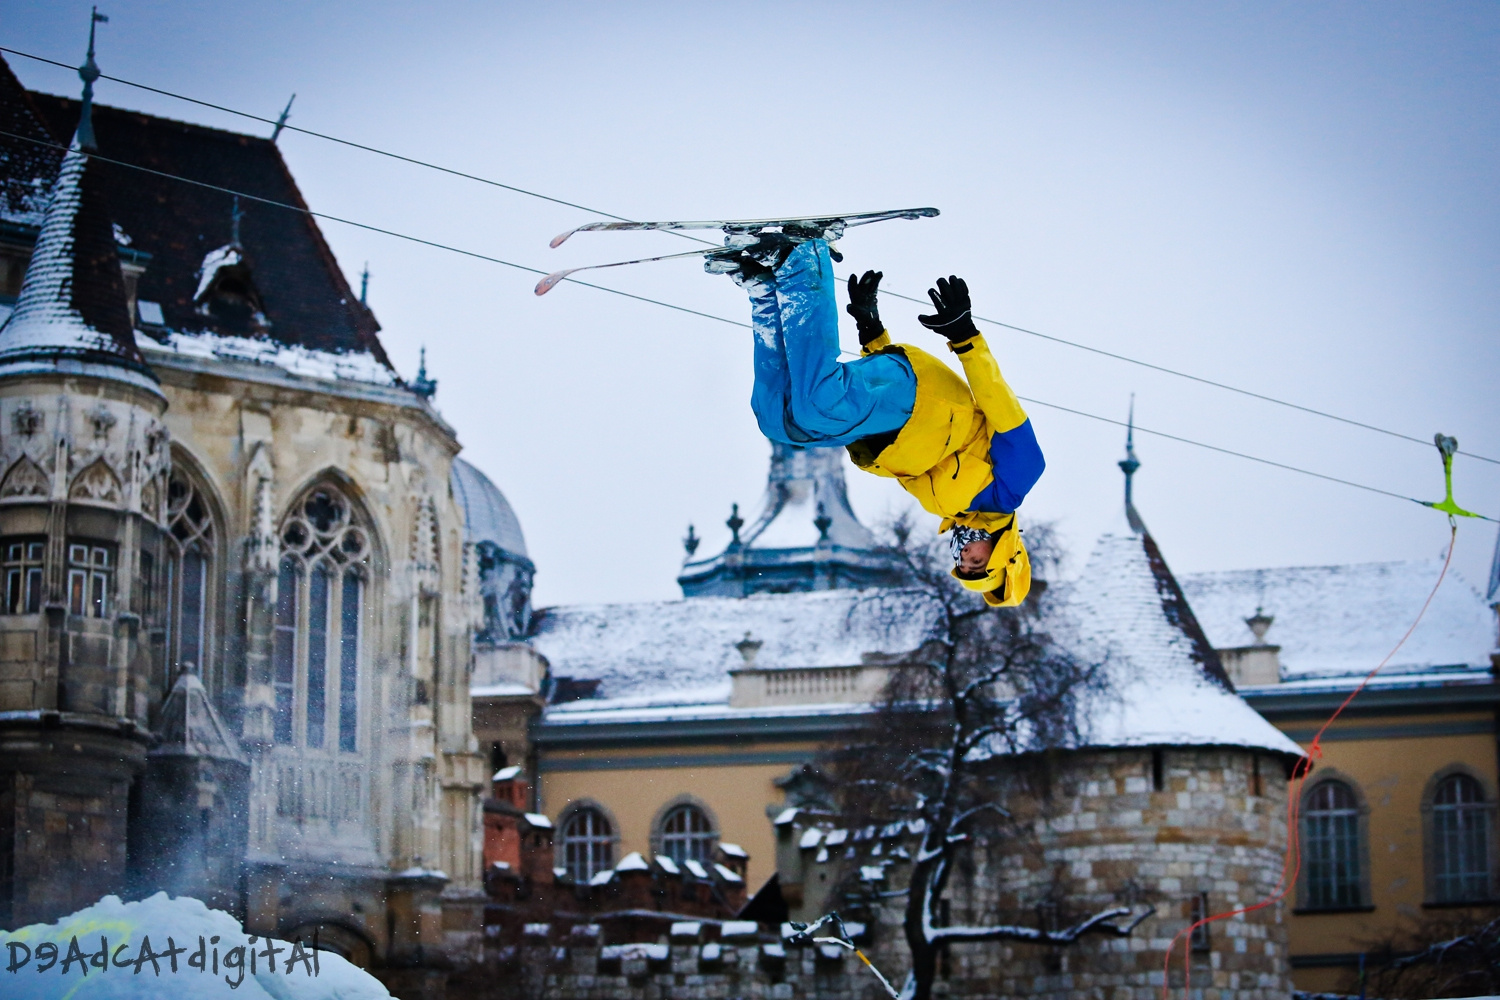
(24, 479)
(424, 546)
(156, 439)
(26, 419)
(101, 420)
(97, 483)
(261, 547)
(151, 499)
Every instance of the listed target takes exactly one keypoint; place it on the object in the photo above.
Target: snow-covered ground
(168, 946)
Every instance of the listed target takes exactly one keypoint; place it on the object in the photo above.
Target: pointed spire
(286, 113)
(364, 292)
(235, 215)
(71, 312)
(422, 385)
(88, 73)
(1128, 465)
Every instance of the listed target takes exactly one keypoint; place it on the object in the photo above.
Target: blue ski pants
(804, 395)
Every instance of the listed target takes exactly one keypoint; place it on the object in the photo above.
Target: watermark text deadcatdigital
(211, 957)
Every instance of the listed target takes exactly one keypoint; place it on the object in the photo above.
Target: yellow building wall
(1391, 771)
(736, 794)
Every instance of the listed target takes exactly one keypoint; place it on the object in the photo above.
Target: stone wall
(698, 960)
(1189, 832)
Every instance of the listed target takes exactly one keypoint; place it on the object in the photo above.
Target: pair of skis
(738, 234)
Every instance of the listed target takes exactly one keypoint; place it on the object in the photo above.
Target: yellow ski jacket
(942, 454)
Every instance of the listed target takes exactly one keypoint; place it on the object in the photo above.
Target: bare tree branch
(1099, 923)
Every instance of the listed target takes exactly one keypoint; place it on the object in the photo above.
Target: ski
(550, 281)
(833, 226)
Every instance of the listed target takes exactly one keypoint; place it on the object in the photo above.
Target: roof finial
(822, 522)
(286, 113)
(235, 215)
(364, 293)
(88, 73)
(734, 523)
(422, 385)
(691, 541)
(1128, 465)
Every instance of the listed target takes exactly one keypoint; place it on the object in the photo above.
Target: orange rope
(1292, 863)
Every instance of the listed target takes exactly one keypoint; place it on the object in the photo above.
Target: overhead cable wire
(1313, 411)
(288, 127)
(641, 298)
(374, 229)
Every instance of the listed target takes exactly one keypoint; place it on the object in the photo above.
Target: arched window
(319, 598)
(1331, 847)
(687, 834)
(188, 578)
(588, 842)
(1460, 841)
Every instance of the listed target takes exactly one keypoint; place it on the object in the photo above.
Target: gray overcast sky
(1296, 198)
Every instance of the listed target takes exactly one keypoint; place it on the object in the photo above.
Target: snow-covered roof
(1164, 684)
(488, 516)
(71, 312)
(353, 366)
(1333, 621)
(674, 648)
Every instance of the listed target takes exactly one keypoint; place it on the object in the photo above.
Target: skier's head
(971, 548)
(994, 564)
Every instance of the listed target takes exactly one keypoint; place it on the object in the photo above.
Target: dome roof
(487, 514)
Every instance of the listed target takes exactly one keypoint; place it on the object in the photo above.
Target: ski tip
(561, 238)
(550, 281)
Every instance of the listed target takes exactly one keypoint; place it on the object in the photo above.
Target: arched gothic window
(588, 842)
(320, 594)
(1332, 847)
(188, 578)
(1460, 841)
(687, 834)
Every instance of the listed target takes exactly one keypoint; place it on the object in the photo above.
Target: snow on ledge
(359, 366)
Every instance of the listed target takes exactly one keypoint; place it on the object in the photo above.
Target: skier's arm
(1015, 456)
(993, 394)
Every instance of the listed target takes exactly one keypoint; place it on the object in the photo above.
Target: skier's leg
(835, 402)
(772, 389)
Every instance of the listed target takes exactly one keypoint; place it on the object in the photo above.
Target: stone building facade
(241, 573)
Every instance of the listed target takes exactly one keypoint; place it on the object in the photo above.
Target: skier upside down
(966, 452)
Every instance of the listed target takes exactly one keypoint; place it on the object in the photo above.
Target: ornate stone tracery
(97, 483)
(24, 479)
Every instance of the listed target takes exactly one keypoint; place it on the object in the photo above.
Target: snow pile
(213, 262)
(1339, 621)
(1157, 689)
(356, 366)
(164, 946)
(682, 651)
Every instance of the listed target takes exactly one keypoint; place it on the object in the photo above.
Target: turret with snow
(805, 536)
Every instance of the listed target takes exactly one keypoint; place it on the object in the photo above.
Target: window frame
(23, 575)
(1486, 809)
(606, 842)
(339, 553)
(185, 534)
(663, 839)
(1360, 849)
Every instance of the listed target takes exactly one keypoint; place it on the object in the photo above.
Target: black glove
(862, 305)
(953, 319)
